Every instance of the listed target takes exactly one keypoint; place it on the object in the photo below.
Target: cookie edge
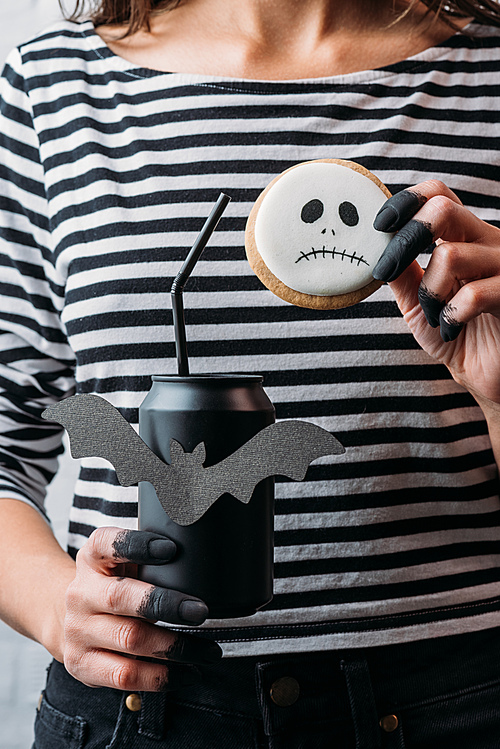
(277, 287)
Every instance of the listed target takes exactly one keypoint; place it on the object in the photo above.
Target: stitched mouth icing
(323, 252)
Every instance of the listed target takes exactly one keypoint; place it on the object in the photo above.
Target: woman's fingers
(442, 291)
(104, 591)
(400, 208)
(462, 279)
(440, 214)
(108, 638)
(131, 636)
(100, 668)
(108, 547)
(439, 218)
(126, 596)
(172, 606)
(470, 301)
(404, 247)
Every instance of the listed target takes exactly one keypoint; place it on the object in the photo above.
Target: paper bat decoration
(185, 488)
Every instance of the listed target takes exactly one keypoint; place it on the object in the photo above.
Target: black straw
(177, 289)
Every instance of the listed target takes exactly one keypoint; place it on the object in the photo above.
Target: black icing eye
(312, 211)
(348, 213)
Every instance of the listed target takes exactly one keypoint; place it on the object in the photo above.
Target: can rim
(223, 377)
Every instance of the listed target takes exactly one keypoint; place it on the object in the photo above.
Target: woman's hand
(109, 623)
(453, 308)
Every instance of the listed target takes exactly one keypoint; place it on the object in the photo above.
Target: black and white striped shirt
(107, 173)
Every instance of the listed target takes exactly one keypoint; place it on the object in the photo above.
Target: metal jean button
(133, 702)
(285, 691)
(389, 723)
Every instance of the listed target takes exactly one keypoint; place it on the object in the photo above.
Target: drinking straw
(177, 289)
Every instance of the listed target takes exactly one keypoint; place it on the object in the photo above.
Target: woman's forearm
(35, 572)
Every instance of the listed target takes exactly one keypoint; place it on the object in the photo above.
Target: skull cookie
(310, 236)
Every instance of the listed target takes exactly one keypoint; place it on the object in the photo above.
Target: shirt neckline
(409, 64)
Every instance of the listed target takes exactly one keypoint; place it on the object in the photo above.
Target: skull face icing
(314, 229)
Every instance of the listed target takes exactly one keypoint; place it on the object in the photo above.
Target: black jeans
(440, 694)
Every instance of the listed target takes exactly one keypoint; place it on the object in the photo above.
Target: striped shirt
(108, 171)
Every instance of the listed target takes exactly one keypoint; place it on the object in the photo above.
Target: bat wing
(283, 449)
(96, 429)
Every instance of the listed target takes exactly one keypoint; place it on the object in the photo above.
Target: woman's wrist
(51, 634)
(35, 574)
(491, 411)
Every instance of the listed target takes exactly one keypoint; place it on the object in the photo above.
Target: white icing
(322, 256)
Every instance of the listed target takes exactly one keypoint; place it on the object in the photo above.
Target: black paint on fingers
(171, 606)
(450, 327)
(142, 547)
(189, 649)
(431, 305)
(402, 250)
(178, 677)
(399, 209)
(192, 611)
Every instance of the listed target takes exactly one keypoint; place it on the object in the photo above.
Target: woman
(118, 134)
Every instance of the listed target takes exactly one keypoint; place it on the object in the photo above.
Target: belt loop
(362, 702)
(153, 715)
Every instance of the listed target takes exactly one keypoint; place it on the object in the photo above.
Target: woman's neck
(278, 40)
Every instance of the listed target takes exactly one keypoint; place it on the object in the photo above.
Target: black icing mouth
(323, 252)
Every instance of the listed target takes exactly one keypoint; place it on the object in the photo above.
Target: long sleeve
(36, 362)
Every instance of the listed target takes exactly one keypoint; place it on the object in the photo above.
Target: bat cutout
(185, 488)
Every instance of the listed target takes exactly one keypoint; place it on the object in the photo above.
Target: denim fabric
(445, 694)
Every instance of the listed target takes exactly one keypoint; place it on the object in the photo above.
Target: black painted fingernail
(450, 328)
(404, 247)
(198, 650)
(162, 548)
(142, 547)
(399, 209)
(385, 267)
(213, 652)
(431, 305)
(188, 677)
(450, 332)
(180, 677)
(386, 217)
(193, 612)
(191, 650)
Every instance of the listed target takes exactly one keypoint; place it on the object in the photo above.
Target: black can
(226, 556)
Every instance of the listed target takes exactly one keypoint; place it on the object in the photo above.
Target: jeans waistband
(333, 684)
(400, 673)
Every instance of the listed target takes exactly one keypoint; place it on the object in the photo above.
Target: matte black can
(226, 557)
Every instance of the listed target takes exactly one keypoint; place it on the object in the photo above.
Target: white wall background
(23, 662)
(22, 19)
